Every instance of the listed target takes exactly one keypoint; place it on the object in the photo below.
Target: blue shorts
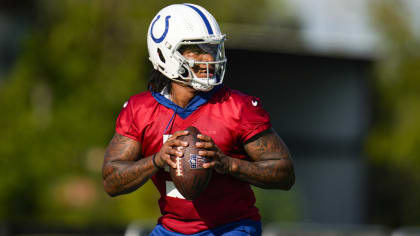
(238, 228)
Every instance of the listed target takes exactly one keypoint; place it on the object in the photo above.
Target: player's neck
(181, 94)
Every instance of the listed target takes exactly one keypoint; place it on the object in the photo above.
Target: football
(189, 176)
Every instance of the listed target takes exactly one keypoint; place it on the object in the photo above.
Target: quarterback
(186, 89)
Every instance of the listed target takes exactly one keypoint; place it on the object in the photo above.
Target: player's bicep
(266, 145)
(122, 148)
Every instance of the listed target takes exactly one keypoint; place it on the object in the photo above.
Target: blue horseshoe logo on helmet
(161, 38)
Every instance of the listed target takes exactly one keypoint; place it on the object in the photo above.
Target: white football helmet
(180, 26)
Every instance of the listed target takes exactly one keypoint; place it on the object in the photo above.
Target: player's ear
(183, 71)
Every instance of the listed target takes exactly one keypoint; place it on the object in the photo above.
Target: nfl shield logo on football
(196, 161)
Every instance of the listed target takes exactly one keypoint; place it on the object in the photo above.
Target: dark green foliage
(82, 60)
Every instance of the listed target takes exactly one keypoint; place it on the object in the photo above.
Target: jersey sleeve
(125, 122)
(254, 119)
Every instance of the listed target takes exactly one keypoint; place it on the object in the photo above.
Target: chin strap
(201, 87)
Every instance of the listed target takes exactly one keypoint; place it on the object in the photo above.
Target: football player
(186, 49)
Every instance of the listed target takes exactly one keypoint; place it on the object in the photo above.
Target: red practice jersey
(230, 118)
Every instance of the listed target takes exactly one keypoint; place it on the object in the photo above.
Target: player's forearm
(122, 177)
(275, 174)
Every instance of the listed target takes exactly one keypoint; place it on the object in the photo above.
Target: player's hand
(219, 161)
(171, 147)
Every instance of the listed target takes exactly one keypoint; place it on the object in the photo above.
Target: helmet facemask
(214, 68)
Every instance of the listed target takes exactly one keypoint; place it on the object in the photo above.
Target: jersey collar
(199, 99)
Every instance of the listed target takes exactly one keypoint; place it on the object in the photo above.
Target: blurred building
(315, 80)
(14, 20)
(320, 105)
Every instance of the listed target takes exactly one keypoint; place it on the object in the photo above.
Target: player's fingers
(169, 143)
(179, 133)
(204, 137)
(209, 164)
(175, 152)
(175, 135)
(207, 153)
(169, 161)
(176, 143)
(204, 144)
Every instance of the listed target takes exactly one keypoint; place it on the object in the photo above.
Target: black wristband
(154, 162)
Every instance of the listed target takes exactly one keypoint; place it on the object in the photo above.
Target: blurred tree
(394, 143)
(80, 63)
